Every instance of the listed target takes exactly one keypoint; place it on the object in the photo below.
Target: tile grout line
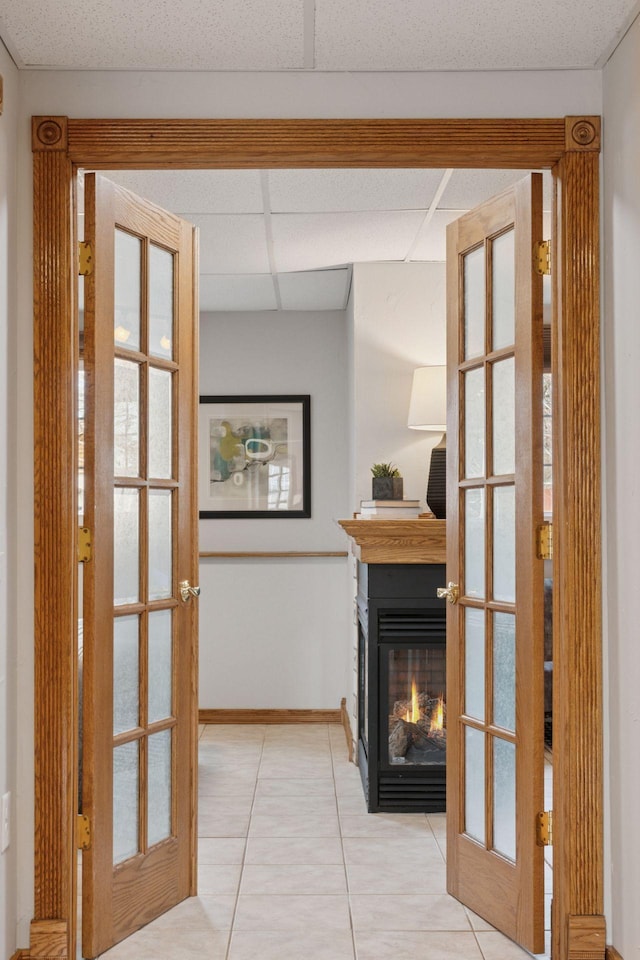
(344, 859)
(244, 853)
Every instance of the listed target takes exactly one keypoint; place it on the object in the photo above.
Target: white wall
(399, 324)
(120, 94)
(274, 632)
(621, 471)
(8, 634)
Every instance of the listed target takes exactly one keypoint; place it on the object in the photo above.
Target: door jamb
(569, 146)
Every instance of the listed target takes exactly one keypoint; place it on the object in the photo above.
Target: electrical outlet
(5, 822)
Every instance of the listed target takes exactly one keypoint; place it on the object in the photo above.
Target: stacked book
(389, 509)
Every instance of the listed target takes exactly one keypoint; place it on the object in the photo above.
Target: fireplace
(402, 731)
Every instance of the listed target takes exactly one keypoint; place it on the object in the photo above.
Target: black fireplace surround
(401, 687)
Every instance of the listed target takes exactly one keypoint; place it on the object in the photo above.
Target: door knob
(451, 592)
(187, 591)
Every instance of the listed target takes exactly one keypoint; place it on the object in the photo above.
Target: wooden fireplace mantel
(398, 541)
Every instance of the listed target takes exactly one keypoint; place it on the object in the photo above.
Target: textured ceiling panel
(316, 290)
(231, 293)
(467, 188)
(232, 244)
(190, 192)
(156, 34)
(459, 35)
(432, 241)
(312, 241)
(331, 191)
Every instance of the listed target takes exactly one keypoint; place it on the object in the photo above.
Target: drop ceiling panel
(232, 244)
(468, 188)
(330, 191)
(240, 292)
(457, 35)
(156, 34)
(315, 290)
(312, 241)
(190, 192)
(432, 241)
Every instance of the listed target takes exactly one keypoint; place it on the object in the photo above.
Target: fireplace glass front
(415, 680)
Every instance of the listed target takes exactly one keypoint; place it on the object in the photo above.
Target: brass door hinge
(84, 544)
(544, 541)
(83, 832)
(85, 259)
(544, 829)
(542, 257)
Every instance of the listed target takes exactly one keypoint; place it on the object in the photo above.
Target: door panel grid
(494, 633)
(139, 714)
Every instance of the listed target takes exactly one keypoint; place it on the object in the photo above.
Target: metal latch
(544, 829)
(83, 832)
(542, 257)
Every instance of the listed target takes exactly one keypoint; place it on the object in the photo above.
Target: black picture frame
(254, 456)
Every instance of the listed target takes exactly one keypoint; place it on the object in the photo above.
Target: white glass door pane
(474, 543)
(127, 290)
(474, 662)
(504, 798)
(160, 544)
(126, 418)
(126, 693)
(160, 423)
(504, 544)
(474, 303)
(504, 670)
(160, 665)
(474, 423)
(504, 290)
(504, 417)
(159, 787)
(474, 792)
(160, 302)
(126, 545)
(126, 789)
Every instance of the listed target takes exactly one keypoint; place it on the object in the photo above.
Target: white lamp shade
(428, 405)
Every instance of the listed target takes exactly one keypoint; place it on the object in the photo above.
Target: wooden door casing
(570, 147)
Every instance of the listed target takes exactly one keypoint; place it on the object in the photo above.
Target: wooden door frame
(570, 147)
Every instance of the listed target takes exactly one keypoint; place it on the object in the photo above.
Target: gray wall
(274, 632)
(621, 201)
(8, 632)
(176, 94)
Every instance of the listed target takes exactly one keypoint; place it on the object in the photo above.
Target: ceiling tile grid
(324, 35)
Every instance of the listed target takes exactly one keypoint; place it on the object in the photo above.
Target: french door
(495, 617)
(139, 661)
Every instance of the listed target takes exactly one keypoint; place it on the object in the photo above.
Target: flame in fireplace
(413, 715)
(437, 717)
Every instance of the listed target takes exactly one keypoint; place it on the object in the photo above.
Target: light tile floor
(292, 866)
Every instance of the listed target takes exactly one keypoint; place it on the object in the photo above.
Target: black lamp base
(437, 483)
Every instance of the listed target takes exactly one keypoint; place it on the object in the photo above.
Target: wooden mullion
(488, 725)
(128, 736)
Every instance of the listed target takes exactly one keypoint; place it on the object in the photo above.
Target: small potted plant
(387, 482)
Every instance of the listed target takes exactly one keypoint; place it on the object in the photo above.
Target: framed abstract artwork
(254, 457)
